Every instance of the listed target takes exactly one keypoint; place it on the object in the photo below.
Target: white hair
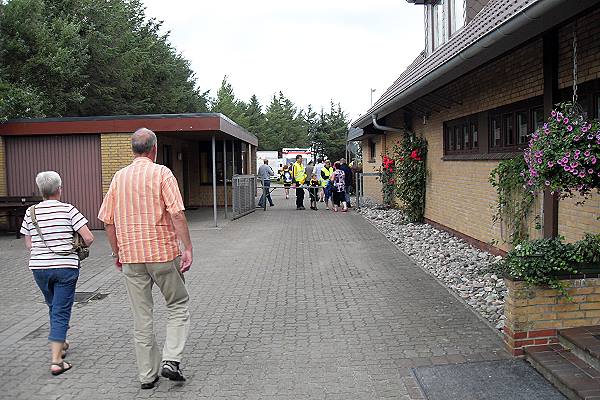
(142, 141)
(48, 182)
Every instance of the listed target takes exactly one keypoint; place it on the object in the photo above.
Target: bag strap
(39, 231)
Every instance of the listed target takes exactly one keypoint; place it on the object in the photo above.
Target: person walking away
(317, 172)
(313, 190)
(144, 217)
(309, 170)
(326, 173)
(286, 176)
(299, 175)
(348, 180)
(265, 172)
(339, 183)
(48, 230)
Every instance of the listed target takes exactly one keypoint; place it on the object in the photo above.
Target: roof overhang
(420, 2)
(532, 21)
(198, 123)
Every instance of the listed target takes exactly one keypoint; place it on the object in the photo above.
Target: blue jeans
(266, 185)
(327, 191)
(58, 287)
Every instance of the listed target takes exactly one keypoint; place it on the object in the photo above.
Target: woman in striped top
(55, 274)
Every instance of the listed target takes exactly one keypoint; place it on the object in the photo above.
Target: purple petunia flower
(570, 128)
(547, 183)
(566, 120)
(582, 174)
(584, 129)
(574, 164)
(550, 164)
(590, 171)
(590, 137)
(593, 160)
(587, 153)
(553, 113)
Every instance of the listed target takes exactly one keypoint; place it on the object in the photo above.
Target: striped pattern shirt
(139, 203)
(58, 221)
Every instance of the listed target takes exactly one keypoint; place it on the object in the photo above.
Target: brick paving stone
(284, 304)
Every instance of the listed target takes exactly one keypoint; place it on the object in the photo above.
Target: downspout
(385, 128)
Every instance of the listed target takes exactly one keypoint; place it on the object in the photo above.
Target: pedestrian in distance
(265, 172)
(286, 176)
(313, 190)
(144, 217)
(348, 180)
(339, 182)
(317, 172)
(326, 184)
(49, 228)
(309, 170)
(299, 175)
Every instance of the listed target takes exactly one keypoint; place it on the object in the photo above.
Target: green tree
(255, 117)
(284, 125)
(329, 135)
(90, 57)
(226, 104)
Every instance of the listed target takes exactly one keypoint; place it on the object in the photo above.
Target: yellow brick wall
(116, 153)
(575, 220)
(534, 314)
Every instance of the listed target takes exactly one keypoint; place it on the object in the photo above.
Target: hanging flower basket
(564, 154)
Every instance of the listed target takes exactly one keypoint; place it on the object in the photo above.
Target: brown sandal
(62, 368)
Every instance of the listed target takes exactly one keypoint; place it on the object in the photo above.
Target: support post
(551, 97)
(225, 175)
(233, 170)
(214, 178)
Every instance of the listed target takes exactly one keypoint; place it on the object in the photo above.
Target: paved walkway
(285, 304)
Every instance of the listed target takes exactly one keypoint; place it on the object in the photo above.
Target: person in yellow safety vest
(326, 172)
(299, 177)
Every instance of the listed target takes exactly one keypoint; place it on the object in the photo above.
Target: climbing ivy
(514, 203)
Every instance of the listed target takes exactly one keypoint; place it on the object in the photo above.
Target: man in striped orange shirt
(144, 217)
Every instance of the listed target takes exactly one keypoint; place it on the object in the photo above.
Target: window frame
(527, 107)
(454, 135)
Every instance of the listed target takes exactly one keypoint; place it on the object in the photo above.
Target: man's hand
(186, 260)
(119, 265)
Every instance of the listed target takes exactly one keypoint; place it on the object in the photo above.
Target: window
(537, 117)
(495, 129)
(510, 126)
(443, 19)
(457, 15)
(372, 152)
(522, 127)
(461, 136)
(439, 24)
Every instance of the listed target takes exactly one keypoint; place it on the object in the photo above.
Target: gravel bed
(457, 264)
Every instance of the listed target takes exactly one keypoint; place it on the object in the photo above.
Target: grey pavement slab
(285, 304)
(488, 380)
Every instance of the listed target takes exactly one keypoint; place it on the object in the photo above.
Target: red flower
(415, 155)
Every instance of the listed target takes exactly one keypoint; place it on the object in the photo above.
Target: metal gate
(75, 157)
(243, 195)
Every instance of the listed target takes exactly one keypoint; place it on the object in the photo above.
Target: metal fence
(358, 188)
(243, 195)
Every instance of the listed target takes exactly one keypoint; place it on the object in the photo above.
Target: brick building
(87, 151)
(489, 75)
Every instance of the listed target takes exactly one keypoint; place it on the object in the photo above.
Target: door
(77, 160)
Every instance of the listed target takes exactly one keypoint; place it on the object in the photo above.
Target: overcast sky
(313, 51)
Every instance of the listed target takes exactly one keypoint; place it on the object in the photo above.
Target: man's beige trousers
(139, 279)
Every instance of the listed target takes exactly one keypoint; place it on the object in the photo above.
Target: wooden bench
(14, 207)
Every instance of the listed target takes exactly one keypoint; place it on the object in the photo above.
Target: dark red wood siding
(75, 157)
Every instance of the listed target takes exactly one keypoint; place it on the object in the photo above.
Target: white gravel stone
(458, 265)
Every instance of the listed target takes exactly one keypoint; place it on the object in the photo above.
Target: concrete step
(584, 342)
(575, 378)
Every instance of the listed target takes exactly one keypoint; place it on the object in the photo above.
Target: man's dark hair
(298, 156)
(319, 160)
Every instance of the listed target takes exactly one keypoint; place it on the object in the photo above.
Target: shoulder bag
(79, 246)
